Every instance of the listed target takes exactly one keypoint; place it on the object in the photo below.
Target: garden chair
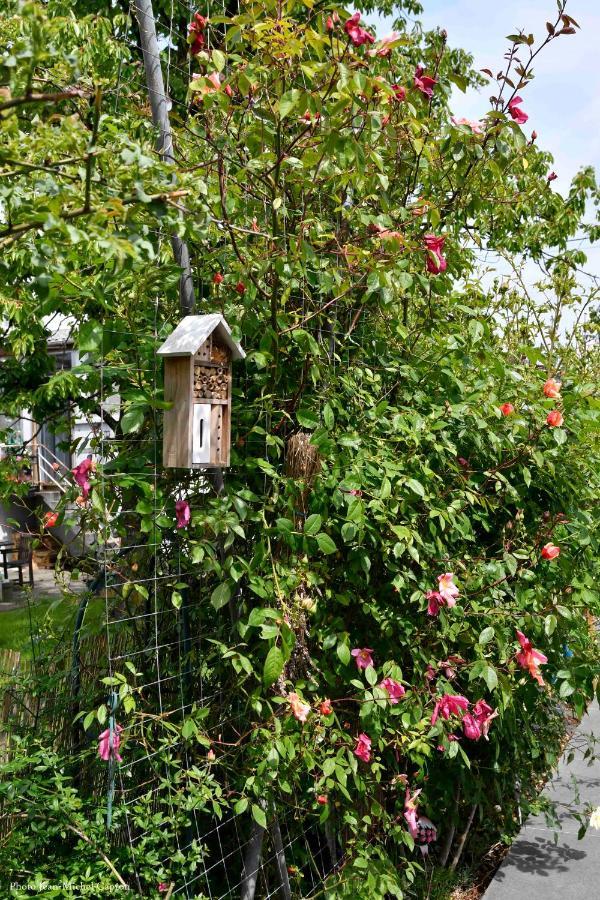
(19, 556)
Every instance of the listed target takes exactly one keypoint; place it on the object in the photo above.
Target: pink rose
(363, 747)
(363, 657)
(516, 113)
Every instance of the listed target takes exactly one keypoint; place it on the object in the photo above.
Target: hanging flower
(471, 727)
(552, 177)
(395, 690)
(363, 657)
(507, 409)
(298, 707)
(240, 287)
(411, 811)
(516, 112)
(554, 419)
(483, 715)
(447, 589)
(163, 887)
(325, 708)
(196, 36)
(399, 92)
(436, 261)
(215, 80)
(386, 234)
(529, 658)
(50, 519)
(430, 672)
(357, 35)
(211, 755)
(104, 748)
(217, 278)
(435, 601)
(183, 513)
(81, 473)
(552, 389)
(322, 799)
(424, 83)
(449, 705)
(474, 126)
(363, 747)
(550, 551)
(386, 44)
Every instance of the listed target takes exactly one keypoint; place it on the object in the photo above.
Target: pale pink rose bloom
(298, 707)
(447, 589)
(475, 127)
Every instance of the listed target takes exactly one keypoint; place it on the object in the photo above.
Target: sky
(563, 101)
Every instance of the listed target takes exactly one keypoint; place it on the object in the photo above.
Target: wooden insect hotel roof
(193, 331)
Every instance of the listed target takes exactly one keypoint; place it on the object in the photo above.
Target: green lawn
(46, 621)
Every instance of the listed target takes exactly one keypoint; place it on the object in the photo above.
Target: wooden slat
(177, 437)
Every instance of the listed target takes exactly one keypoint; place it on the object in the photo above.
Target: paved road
(536, 866)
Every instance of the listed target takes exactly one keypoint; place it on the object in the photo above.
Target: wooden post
(160, 116)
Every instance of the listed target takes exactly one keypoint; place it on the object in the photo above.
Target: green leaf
(219, 59)
(326, 545)
(307, 418)
(371, 675)
(486, 635)
(490, 677)
(328, 417)
(176, 599)
(511, 563)
(90, 337)
(550, 623)
(476, 331)
(343, 652)
(133, 419)
(313, 524)
(221, 595)
(288, 102)
(274, 664)
(566, 689)
(188, 729)
(258, 815)
(416, 486)
(348, 531)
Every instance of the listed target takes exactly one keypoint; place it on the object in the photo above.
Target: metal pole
(160, 116)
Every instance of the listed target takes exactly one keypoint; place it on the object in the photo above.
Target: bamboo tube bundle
(302, 458)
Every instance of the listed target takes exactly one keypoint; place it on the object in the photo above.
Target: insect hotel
(198, 357)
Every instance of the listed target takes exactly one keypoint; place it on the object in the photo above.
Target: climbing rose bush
(369, 624)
